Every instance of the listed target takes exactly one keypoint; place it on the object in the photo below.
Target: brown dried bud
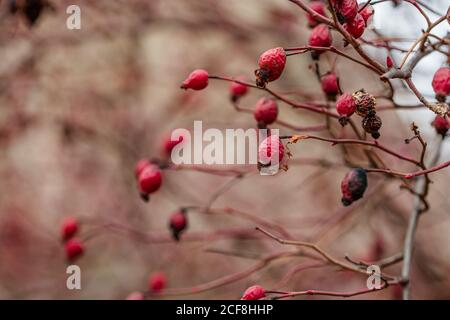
(372, 124)
(364, 102)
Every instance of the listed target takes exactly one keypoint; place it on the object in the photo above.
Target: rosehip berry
(318, 7)
(169, 144)
(237, 90)
(366, 13)
(150, 180)
(389, 62)
(254, 293)
(441, 83)
(197, 80)
(320, 36)
(157, 282)
(353, 186)
(330, 85)
(441, 125)
(178, 223)
(266, 111)
(136, 296)
(271, 65)
(346, 10)
(372, 124)
(69, 228)
(365, 102)
(356, 26)
(345, 107)
(74, 249)
(140, 165)
(266, 154)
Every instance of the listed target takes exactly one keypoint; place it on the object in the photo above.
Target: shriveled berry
(441, 124)
(266, 111)
(178, 223)
(319, 7)
(157, 282)
(320, 36)
(238, 90)
(197, 80)
(136, 296)
(346, 10)
(271, 65)
(372, 124)
(345, 107)
(74, 249)
(255, 292)
(69, 228)
(441, 83)
(330, 85)
(353, 186)
(365, 102)
(140, 165)
(150, 180)
(356, 26)
(366, 13)
(270, 151)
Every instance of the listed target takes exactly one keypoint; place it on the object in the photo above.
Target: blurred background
(78, 108)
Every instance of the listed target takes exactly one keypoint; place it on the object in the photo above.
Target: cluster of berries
(355, 18)
(363, 104)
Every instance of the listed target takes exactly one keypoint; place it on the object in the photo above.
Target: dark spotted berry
(353, 186)
(372, 124)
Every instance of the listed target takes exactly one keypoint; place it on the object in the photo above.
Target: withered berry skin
(353, 186)
(254, 293)
(366, 13)
(346, 10)
(441, 83)
(346, 105)
(356, 26)
(271, 65)
(365, 102)
(372, 124)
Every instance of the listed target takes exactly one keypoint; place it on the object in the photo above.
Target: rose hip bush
(88, 176)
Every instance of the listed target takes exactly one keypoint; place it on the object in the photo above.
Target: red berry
(254, 293)
(157, 282)
(140, 165)
(367, 13)
(346, 105)
(178, 223)
(271, 65)
(441, 83)
(266, 111)
(74, 249)
(441, 125)
(347, 10)
(169, 144)
(320, 36)
(389, 62)
(69, 228)
(197, 80)
(353, 186)
(136, 296)
(330, 84)
(238, 90)
(150, 179)
(318, 7)
(356, 26)
(265, 150)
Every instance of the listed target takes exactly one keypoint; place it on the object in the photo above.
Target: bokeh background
(78, 108)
